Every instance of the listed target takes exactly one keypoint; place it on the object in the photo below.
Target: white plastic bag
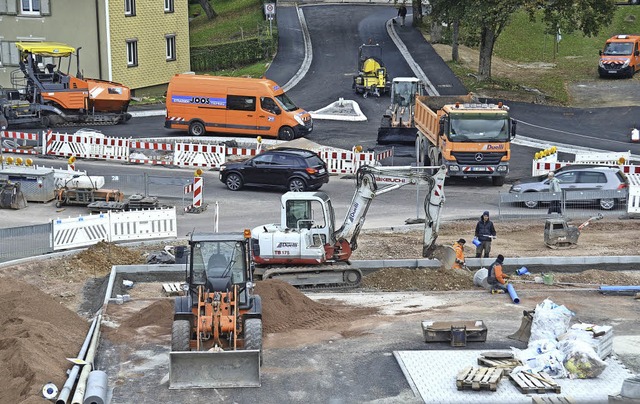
(549, 321)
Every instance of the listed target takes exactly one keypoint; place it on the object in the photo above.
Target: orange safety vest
(459, 249)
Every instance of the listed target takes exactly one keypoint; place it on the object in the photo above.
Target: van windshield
(285, 103)
(618, 48)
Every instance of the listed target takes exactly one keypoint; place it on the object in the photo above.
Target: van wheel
(286, 133)
(234, 182)
(297, 185)
(196, 128)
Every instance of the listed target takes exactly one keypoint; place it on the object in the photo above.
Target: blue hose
(512, 293)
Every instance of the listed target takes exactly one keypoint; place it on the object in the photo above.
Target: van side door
(269, 115)
(241, 113)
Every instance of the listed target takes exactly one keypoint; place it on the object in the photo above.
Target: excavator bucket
(389, 135)
(446, 255)
(214, 370)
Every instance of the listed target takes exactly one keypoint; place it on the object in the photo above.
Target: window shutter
(12, 7)
(45, 8)
(15, 54)
(5, 56)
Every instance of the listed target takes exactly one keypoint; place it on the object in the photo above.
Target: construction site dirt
(318, 346)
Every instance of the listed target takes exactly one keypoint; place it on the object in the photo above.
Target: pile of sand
(37, 334)
(285, 308)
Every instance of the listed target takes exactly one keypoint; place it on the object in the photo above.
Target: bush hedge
(233, 54)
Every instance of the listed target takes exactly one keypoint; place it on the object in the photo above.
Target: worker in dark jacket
(485, 232)
(402, 13)
(496, 278)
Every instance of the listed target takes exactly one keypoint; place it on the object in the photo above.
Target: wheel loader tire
(180, 332)
(253, 335)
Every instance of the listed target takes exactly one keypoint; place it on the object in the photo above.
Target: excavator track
(326, 277)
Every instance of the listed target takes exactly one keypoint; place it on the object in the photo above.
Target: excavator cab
(216, 338)
(372, 74)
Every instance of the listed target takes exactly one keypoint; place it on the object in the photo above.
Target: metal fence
(573, 204)
(164, 187)
(25, 241)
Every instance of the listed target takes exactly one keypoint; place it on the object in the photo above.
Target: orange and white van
(620, 56)
(233, 105)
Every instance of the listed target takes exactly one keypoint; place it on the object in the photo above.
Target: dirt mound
(394, 279)
(153, 321)
(285, 308)
(37, 334)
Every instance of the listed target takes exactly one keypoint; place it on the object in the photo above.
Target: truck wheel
(286, 133)
(253, 335)
(233, 182)
(497, 181)
(180, 332)
(196, 128)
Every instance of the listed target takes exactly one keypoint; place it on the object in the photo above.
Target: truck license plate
(478, 169)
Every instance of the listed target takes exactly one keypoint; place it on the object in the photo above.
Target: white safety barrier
(66, 145)
(603, 158)
(346, 162)
(114, 226)
(18, 136)
(199, 155)
(633, 200)
(109, 148)
(143, 224)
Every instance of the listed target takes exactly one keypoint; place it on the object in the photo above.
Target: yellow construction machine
(372, 75)
(216, 338)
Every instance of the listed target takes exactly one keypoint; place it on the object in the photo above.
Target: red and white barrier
(346, 162)
(18, 136)
(199, 155)
(195, 188)
(633, 200)
(151, 153)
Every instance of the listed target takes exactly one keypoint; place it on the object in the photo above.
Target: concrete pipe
(96, 392)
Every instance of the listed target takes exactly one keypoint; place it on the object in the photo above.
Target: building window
(30, 7)
(171, 47)
(168, 6)
(132, 52)
(129, 7)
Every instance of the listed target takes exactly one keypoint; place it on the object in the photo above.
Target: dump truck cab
(216, 338)
(620, 56)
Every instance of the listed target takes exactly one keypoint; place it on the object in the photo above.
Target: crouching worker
(458, 247)
(496, 278)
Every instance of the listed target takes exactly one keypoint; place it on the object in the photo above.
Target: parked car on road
(577, 178)
(296, 169)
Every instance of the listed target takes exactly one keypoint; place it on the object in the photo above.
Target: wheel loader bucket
(214, 370)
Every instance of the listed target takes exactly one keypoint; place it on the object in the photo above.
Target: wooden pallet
(539, 382)
(552, 400)
(507, 365)
(172, 289)
(478, 378)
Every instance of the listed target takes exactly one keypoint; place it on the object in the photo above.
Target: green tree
(492, 16)
(209, 11)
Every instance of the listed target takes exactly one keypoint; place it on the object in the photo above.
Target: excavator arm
(370, 183)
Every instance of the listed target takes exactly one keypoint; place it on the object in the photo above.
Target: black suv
(296, 169)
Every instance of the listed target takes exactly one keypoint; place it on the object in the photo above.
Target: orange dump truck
(470, 138)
